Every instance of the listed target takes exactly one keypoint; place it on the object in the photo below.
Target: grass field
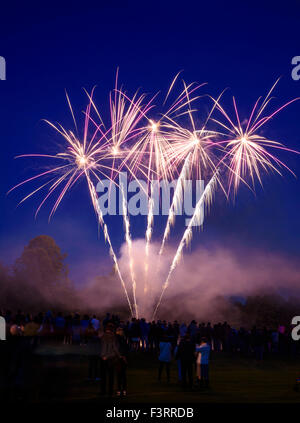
(63, 377)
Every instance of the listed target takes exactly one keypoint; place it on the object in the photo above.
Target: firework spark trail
(177, 198)
(129, 245)
(107, 237)
(190, 146)
(156, 143)
(148, 235)
(125, 115)
(158, 165)
(196, 219)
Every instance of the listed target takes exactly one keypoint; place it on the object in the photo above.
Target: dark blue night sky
(52, 48)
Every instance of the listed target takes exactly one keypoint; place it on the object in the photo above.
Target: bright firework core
(83, 161)
(154, 126)
(195, 140)
(115, 151)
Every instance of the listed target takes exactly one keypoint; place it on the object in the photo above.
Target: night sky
(50, 48)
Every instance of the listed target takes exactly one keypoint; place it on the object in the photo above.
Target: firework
(83, 158)
(125, 115)
(246, 151)
(78, 158)
(194, 147)
(153, 147)
(156, 149)
(160, 140)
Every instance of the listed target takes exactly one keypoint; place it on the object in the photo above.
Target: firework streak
(196, 219)
(148, 235)
(129, 245)
(177, 198)
(107, 238)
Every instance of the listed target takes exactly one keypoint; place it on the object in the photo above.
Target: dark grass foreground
(58, 374)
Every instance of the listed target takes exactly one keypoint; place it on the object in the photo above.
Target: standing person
(109, 354)
(19, 365)
(144, 327)
(31, 331)
(165, 356)
(208, 333)
(135, 334)
(258, 343)
(96, 323)
(203, 352)
(68, 329)
(93, 348)
(186, 355)
(158, 334)
(122, 363)
(46, 329)
(151, 335)
(193, 329)
(59, 326)
(274, 340)
(106, 320)
(76, 330)
(84, 324)
(182, 330)
(178, 361)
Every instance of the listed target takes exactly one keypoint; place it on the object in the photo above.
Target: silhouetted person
(122, 363)
(135, 334)
(186, 355)
(59, 326)
(93, 346)
(258, 343)
(203, 350)
(109, 355)
(19, 364)
(165, 356)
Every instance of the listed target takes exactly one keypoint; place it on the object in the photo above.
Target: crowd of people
(110, 341)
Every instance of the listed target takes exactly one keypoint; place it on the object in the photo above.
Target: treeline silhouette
(39, 280)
